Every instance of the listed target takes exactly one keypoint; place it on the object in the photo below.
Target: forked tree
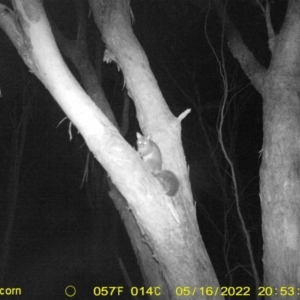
(163, 229)
(279, 87)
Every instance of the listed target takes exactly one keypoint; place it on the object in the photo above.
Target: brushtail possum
(151, 155)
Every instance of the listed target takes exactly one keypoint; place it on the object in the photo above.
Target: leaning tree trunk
(155, 118)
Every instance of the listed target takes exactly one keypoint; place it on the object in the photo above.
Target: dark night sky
(53, 223)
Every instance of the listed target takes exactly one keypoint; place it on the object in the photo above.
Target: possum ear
(148, 137)
(138, 135)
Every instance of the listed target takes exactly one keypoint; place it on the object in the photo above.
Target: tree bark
(279, 173)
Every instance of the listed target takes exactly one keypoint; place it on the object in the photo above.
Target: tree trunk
(113, 19)
(279, 174)
(280, 178)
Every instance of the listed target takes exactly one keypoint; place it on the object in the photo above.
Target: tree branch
(239, 50)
